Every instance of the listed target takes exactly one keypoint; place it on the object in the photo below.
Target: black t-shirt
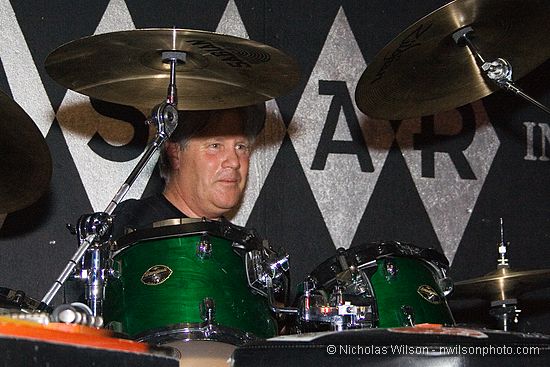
(138, 214)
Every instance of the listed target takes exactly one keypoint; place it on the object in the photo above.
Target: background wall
(480, 162)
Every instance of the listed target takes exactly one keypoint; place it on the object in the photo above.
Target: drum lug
(391, 269)
(309, 285)
(337, 323)
(408, 312)
(114, 273)
(204, 247)
(207, 310)
(447, 285)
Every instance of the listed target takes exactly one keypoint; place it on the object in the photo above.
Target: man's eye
(214, 145)
(242, 147)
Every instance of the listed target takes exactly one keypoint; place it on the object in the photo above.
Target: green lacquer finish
(221, 277)
(393, 292)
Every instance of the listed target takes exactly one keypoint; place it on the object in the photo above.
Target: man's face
(213, 167)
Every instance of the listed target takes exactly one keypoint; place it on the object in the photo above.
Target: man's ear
(172, 151)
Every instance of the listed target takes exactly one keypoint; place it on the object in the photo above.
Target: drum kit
(200, 280)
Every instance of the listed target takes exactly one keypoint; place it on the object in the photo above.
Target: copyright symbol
(331, 349)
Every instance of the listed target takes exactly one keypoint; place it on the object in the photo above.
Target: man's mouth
(229, 180)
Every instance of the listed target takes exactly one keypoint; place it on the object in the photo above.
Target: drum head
(203, 353)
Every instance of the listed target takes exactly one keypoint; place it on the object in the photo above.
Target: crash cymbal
(220, 71)
(25, 161)
(423, 71)
(502, 284)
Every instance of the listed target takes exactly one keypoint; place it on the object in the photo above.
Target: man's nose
(231, 159)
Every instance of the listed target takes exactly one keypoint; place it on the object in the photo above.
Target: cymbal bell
(25, 161)
(220, 71)
(423, 71)
(502, 284)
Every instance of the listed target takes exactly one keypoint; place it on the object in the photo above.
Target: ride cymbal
(220, 71)
(423, 71)
(25, 161)
(502, 284)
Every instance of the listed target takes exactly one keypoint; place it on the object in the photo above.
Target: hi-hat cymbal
(423, 71)
(25, 161)
(502, 284)
(126, 67)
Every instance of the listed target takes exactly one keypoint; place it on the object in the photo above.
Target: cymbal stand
(502, 261)
(505, 310)
(94, 230)
(499, 70)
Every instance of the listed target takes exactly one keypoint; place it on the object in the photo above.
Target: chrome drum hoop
(196, 332)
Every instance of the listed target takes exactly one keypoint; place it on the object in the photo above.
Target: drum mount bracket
(498, 71)
(266, 272)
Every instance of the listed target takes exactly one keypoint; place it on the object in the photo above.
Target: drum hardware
(502, 261)
(26, 163)
(335, 310)
(498, 70)
(207, 310)
(408, 312)
(445, 283)
(16, 300)
(391, 269)
(342, 259)
(506, 312)
(423, 70)
(263, 267)
(343, 317)
(266, 275)
(204, 247)
(76, 313)
(93, 268)
(196, 332)
(352, 296)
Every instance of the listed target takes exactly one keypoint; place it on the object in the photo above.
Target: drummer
(204, 165)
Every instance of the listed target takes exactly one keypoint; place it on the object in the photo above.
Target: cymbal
(502, 284)
(25, 161)
(423, 71)
(220, 71)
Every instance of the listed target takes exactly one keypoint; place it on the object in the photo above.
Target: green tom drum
(185, 280)
(403, 284)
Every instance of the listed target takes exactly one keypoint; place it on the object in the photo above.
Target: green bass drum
(185, 279)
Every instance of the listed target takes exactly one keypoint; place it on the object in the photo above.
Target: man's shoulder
(130, 204)
(140, 213)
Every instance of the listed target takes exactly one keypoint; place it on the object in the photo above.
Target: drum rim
(182, 227)
(176, 221)
(196, 332)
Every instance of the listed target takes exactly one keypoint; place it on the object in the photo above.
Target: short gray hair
(191, 123)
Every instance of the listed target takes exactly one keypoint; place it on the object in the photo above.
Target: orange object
(438, 329)
(69, 334)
